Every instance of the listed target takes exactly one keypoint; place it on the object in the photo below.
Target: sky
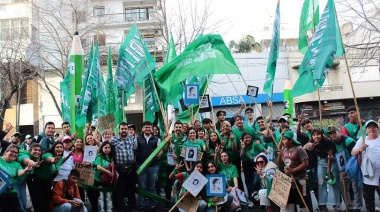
(242, 17)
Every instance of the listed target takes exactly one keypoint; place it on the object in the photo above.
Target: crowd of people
(248, 151)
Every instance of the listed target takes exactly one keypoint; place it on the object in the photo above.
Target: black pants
(40, 193)
(369, 196)
(126, 186)
(169, 182)
(93, 196)
(295, 198)
(237, 163)
(250, 177)
(9, 202)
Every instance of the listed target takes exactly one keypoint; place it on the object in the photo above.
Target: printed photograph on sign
(341, 160)
(90, 153)
(195, 183)
(216, 185)
(191, 94)
(191, 153)
(252, 91)
(205, 104)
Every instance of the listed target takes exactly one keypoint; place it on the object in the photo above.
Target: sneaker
(377, 209)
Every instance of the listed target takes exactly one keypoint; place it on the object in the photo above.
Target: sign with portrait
(252, 91)
(341, 160)
(191, 153)
(216, 185)
(191, 94)
(183, 154)
(281, 186)
(90, 153)
(195, 183)
(205, 104)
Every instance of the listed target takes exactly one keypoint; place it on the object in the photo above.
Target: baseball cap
(56, 134)
(283, 118)
(28, 136)
(248, 109)
(351, 108)
(17, 134)
(66, 138)
(331, 128)
(131, 126)
(371, 122)
(292, 136)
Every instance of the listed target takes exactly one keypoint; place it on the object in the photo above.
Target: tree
(16, 68)
(232, 45)
(186, 20)
(57, 22)
(360, 24)
(248, 44)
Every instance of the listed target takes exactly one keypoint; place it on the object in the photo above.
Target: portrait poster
(216, 185)
(191, 153)
(191, 94)
(341, 160)
(183, 153)
(205, 104)
(252, 91)
(90, 153)
(195, 183)
(4, 181)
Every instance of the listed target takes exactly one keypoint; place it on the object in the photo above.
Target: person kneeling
(66, 197)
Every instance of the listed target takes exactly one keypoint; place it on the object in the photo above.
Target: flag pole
(123, 103)
(350, 80)
(254, 100)
(320, 108)
(200, 100)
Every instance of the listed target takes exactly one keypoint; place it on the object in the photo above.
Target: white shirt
(66, 167)
(373, 151)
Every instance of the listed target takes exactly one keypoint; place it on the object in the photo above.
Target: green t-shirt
(234, 155)
(11, 168)
(103, 162)
(210, 150)
(198, 143)
(252, 151)
(177, 142)
(238, 133)
(229, 171)
(48, 170)
(21, 156)
(341, 146)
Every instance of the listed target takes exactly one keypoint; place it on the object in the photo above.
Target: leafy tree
(248, 44)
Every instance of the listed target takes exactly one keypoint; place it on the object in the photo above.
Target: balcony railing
(119, 18)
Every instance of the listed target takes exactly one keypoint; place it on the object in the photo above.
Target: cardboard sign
(86, 174)
(189, 204)
(280, 189)
(105, 122)
(195, 182)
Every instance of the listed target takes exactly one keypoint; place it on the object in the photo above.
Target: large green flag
(65, 96)
(92, 104)
(308, 21)
(324, 47)
(110, 90)
(273, 54)
(171, 54)
(134, 62)
(207, 54)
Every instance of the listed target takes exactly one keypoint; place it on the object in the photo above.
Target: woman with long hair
(212, 201)
(213, 141)
(40, 185)
(8, 199)
(192, 141)
(104, 160)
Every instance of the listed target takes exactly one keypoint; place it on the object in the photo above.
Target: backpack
(353, 169)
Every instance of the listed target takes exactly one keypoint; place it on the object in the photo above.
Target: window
(99, 11)
(14, 29)
(139, 14)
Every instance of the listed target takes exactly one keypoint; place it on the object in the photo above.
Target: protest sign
(195, 182)
(105, 122)
(90, 153)
(86, 174)
(281, 186)
(189, 204)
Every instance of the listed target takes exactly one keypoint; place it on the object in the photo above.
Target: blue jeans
(147, 181)
(65, 207)
(21, 193)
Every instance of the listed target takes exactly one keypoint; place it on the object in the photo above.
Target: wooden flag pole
(123, 103)
(320, 108)
(254, 100)
(200, 99)
(349, 78)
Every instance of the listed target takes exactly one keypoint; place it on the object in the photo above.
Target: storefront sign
(333, 106)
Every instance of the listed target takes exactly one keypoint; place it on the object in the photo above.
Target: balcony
(127, 19)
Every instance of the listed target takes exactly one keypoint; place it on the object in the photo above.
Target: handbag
(106, 179)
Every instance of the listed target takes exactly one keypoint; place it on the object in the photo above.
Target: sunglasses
(260, 161)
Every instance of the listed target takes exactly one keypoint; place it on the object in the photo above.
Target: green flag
(150, 100)
(308, 21)
(65, 97)
(207, 54)
(171, 54)
(324, 47)
(94, 94)
(110, 91)
(273, 54)
(134, 62)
